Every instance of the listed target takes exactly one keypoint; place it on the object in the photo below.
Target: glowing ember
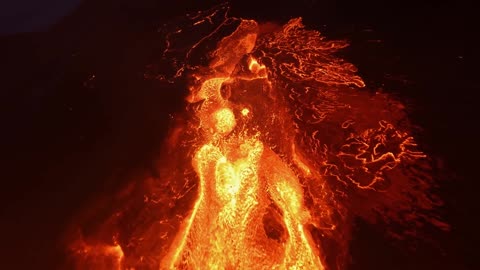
(281, 152)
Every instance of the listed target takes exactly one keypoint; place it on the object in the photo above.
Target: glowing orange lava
(239, 179)
(279, 152)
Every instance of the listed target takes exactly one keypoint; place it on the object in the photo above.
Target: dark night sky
(65, 131)
(30, 15)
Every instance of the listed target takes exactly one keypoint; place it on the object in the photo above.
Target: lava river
(280, 147)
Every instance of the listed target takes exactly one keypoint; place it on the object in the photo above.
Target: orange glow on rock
(100, 256)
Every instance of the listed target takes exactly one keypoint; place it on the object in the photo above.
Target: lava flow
(280, 148)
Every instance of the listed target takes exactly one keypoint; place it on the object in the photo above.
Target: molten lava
(279, 151)
(239, 179)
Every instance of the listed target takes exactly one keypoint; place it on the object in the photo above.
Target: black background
(77, 115)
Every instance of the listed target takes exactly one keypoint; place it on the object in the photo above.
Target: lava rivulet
(279, 150)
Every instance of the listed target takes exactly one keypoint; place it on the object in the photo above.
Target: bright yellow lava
(239, 178)
(222, 231)
(224, 120)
